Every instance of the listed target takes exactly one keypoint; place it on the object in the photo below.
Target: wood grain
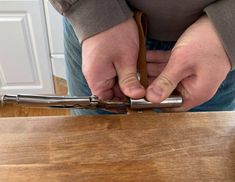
(137, 147)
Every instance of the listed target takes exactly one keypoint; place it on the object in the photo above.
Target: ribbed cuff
(222, 15)
(90, 17)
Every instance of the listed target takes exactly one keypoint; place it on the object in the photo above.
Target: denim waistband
(153, 44)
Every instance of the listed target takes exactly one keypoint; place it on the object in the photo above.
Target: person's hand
(197, 66)
(110, 55)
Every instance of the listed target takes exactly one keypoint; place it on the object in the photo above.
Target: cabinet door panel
(55, 29)
(55, 35)
(24, 54)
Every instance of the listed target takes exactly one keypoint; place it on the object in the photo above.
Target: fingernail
(136, 87)
(155, 94)
(136, 91)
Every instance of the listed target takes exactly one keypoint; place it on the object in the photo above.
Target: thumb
(128, 82)
(167, 81)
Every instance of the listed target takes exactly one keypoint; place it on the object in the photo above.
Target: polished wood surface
(12, 110)
(180, 147)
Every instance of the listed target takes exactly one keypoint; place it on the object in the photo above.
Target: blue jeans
(224, 99)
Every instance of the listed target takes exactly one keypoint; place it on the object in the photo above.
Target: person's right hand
(197, 66)
(111, 54)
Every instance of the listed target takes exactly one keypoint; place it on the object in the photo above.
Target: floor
(19, 111)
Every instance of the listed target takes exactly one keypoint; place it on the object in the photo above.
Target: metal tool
(88, 102)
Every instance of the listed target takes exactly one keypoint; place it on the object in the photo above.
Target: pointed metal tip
(8, 99)
(1, 99)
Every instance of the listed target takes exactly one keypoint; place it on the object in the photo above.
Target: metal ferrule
(171, 101)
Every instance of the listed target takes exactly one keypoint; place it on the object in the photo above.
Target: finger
(117, 92)
(195, 90)
(128, 82)
(130, 85)
(116, 99)
(186, 100)
(150, 80)
(103, 90)
(155, 69)
(100, 81)
(167, 81)
(158, 56)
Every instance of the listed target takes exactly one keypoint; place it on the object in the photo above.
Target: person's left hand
(197, 66)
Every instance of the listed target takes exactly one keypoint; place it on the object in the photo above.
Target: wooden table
(138, 147)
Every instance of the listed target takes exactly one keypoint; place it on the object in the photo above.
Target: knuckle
(201, 98)
(197, 95)
(102, 86)
(128, 79)
(166, 82)
(206, 91)
(182, 58)
(92, 87)
(97, 93)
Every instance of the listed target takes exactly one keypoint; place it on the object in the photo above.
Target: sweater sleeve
(222, 15)
(90, 17)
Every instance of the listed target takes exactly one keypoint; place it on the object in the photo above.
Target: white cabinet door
(55, 34)
(25, 65)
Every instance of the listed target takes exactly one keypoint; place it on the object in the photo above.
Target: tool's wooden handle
(141, 21)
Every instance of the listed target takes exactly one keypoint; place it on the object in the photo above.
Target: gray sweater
(168, 19)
